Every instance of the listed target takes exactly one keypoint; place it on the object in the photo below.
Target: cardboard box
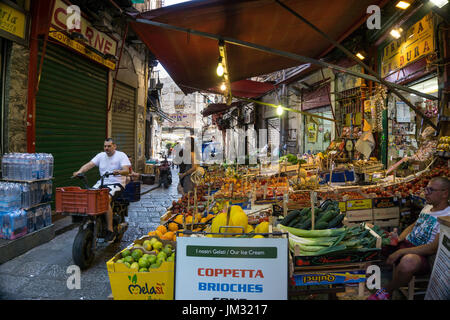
(126, 284)
(337, 258)
(386, 213)
(329, 278)
(359, 215)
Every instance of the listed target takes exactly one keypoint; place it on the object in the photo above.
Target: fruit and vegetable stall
(330, 214)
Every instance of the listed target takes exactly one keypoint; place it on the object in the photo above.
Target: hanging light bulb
(279, 110)
(439, 3)
(219, 69)
(223, 87)
(396, 33)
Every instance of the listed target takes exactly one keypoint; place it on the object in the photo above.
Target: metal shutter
(70, 112)
(273, 131)
(123, 119)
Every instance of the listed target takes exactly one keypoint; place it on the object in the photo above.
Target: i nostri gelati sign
(231, 268)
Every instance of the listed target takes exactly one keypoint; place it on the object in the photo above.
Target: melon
(303, 173)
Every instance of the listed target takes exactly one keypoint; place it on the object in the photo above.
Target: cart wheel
(82, 252)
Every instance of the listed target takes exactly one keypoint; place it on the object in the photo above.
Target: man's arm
(124, 171)
(423, 250)
(405, 232)
(88, 166)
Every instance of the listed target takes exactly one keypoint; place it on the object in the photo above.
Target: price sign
(231, 268)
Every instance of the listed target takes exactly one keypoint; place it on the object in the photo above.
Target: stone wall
(16, 92)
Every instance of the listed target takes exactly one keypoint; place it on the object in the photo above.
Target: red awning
(191, 59)
(248, 89)
(218, 107)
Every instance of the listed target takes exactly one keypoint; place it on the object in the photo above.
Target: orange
(174, 237)
(162, 229)
(152, 233)
(173, 226)
(203, 220)
(159, 234)
(168, 235)
(199, 217)
(189, 219)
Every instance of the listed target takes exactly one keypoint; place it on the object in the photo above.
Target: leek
(313, 233)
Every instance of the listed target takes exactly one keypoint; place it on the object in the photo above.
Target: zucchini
(325, 204)
(305, 225)
(327, 216)
(336, 221)
(294, 221)
(321, 225)
(289, 217)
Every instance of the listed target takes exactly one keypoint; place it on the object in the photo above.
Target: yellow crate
(157, 284)
(342, 206)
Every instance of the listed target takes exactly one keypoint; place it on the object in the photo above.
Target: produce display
(320, 242)
(443, 144)
(150, 255)
(327, 215)
(292, 159)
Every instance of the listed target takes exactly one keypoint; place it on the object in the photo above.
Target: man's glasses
(430, 190)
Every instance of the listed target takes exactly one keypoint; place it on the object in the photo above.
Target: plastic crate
(132, 191)
(77, 200)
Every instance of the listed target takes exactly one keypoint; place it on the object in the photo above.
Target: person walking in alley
(187, 166)
(111, 160)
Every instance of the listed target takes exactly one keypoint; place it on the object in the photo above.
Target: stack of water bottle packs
(27, 166)
(24, 206)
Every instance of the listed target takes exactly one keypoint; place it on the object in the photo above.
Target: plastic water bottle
(51, 161)
(5, 166)
(34, 166)
(39, 218)
(47, 215)
(26, 196)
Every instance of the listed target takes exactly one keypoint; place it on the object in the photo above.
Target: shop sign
(100, 42)
(181, 120)
(415, 43)
(13, 23)
(312, 132)
(231, 268)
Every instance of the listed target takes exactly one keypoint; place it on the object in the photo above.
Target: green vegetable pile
(292, 159)
(326, 216)
(328, 235)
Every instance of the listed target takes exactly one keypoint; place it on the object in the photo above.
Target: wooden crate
(359, 215)
(386, 213)
(308, 166)
(387, 223)
(370, 168)
(347, 223)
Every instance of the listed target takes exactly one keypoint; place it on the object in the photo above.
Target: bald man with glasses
(419, 240)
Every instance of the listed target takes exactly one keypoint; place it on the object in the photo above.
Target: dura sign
(231, 268)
